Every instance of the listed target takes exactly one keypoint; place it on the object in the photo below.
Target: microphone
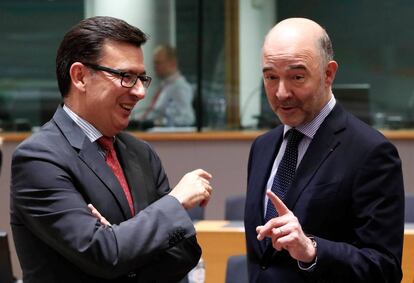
(266, 118)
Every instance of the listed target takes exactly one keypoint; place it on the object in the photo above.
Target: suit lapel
(88, 153)
(134, 174)
(267, 151)
(324, 143)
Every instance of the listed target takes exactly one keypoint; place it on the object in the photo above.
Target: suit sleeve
(46, 199)
(377, 209)
(178, 260)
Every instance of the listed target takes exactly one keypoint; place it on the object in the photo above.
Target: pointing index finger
(278, 204)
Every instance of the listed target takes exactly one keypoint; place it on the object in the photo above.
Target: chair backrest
(234, 208)
(185, 280)
(409, 207)
(6, 273)
(196, 213)
(237, 269)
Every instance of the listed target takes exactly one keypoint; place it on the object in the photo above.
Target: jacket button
(263, 267)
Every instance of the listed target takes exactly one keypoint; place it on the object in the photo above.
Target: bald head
(300, 32)
(298, 70)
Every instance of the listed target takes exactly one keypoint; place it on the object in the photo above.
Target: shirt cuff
(311, 265)
(307, 266)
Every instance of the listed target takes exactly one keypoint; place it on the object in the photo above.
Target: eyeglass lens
(129, 80)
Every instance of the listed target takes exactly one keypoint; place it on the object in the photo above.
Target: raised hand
(193, 189)
(286, 233)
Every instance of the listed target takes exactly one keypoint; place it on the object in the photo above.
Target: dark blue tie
(286, 171)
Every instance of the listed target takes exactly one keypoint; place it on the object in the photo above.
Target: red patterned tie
(107, 144)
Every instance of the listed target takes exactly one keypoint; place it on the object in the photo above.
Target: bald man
(325, 196)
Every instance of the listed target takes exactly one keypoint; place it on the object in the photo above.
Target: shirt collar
(89, 130)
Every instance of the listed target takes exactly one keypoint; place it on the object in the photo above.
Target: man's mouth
(287, 107)
(127, 107)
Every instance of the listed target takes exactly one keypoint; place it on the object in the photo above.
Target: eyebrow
(132, 72)
(265, 69)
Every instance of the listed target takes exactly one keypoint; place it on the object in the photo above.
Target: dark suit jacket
(56, 173)
(348, 193)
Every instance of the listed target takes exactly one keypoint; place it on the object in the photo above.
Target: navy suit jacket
(56, 173)
(348, 193)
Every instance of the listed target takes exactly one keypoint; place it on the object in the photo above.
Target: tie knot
(107, 143)
(294, 137)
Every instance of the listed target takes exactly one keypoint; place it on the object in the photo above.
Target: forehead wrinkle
(303, 59)
(297, 67)
(288, 68)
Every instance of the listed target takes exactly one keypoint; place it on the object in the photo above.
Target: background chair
(6, 272)
(234, 208)
(409, 207)
(196, 213)
(236, 271)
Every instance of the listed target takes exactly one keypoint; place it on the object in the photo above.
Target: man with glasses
(90, 203)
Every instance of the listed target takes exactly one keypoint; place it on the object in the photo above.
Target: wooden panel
(408, 257)
(205, 136)
(164, 136)
(218, 243)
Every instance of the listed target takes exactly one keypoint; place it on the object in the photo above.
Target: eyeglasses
(128, 80)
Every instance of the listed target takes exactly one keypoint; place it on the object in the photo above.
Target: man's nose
(139, 90)
(283, 92)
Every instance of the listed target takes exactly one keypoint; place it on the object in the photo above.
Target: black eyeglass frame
(145, 80)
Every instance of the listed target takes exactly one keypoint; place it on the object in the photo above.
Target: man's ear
(330, 73)
(77, 73)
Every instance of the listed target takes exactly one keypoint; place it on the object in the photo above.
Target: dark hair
(84, 43)
(325, 44)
